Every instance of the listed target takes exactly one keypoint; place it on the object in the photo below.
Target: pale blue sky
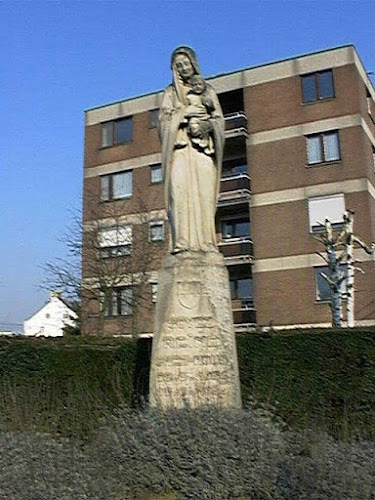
(61, 57)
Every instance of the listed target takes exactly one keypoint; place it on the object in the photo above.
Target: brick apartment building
(300, 142)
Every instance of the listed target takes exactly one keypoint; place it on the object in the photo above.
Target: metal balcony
(235, 182)
(236, 124)
(237, 250)
(234, 189)
(244, 316)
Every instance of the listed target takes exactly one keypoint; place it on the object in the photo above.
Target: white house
(50, 320)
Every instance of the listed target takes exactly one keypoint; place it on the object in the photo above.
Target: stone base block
(194, 357)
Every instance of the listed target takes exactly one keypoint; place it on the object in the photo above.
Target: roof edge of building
(277, 61)
(87, 110)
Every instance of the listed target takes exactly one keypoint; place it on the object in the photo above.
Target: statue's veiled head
(184, 62)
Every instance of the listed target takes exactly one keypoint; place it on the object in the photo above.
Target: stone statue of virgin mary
(194, 358)
(191, 128)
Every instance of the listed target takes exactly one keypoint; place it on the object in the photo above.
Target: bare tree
(339, 248)
(349, 241)
(335, 276)
(108, 267)
(64, 273)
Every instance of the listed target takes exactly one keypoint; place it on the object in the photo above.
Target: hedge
(322, 378)
(66, 385)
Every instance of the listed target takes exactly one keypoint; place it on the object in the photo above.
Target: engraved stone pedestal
(194, 358)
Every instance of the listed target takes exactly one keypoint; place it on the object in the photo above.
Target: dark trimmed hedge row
(321, 378)
(67, 385)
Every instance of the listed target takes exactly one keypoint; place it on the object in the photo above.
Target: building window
(236, 228)
(115, 242)
(234, 167)
(317, 86)
(330, 207)
(116, 186)
(323, 290)
(241, 289)
(156, 173)
(120, 302)
(154, 118)
(157, 231)
(117, 132)
(323, 147)
(154, 291)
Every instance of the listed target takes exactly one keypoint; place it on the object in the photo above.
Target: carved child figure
(197, 113)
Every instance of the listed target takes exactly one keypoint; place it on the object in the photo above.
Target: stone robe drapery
(192, 178)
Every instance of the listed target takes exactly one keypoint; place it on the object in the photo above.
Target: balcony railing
(234, 189)
(236, 124)
(235, 182)
(237, 249)
(245, 316)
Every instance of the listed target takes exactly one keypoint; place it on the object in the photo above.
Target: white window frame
(234, 218)
(154, 117)
(317, 86)
(234, 288)
(321, 137)
(156, 168)
(108, 132)
(325, 269)
(154, 291)
(106, 186)
(158, 223)
(112, 310)
(115, 241)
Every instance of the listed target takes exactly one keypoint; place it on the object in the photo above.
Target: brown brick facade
(289, 297)
(279, 253)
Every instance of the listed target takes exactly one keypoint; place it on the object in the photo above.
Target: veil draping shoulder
(172, 113)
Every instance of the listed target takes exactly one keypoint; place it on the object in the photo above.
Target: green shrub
(64, 386)
(321, 378)
(204, 454)
(313, 378)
